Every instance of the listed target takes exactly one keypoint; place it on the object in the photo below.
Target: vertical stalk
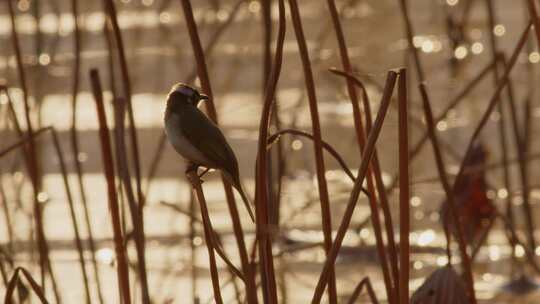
(404, 192)
(139, 230)
(316, 127)
(75, 144)
(454, 102)
(519, 139)
(449, 194)
(114, 208)
(263, 229)
(381, 189)
(355, 193)
(500, 108)
(495, 97)
(202, 72)
(391, 291)
(111, 12)
(32, 163)
(536, 20)
(71, 205)
(193, 247)
(125, 176)
(410, 34)
(196, 184)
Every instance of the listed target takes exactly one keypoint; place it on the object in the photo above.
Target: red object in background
(474, 208)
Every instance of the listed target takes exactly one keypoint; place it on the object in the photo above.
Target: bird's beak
(203, 97)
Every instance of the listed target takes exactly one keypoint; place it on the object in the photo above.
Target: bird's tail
(235, 181)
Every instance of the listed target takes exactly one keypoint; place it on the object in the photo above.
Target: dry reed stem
(215, 237)
(389, 281)
(219, 250)
(3, 273)
(531, 256)
(362, 171)
(114, 209)
(23, 140)
(202, 72)
(358, 290)
(180, 210)
(449, 194)
(110, 59)
(318, 44)
(119, 105)
(196, 184)
(110, 9)
(420, 75)
(193, 247)
(534, 16)
(410, 34)
(32, 162)
(75, 144)
(274, 189)
(491, 105)
(126, 82)
(13, 284)
(404, 192)
(454, 102)
(216, 35)
(519, 140)
(476, 249)
(71, 204)
(261, 193)
(326, 146)
(7, 218)
(500, 108)
(316, 127)
(381, 189)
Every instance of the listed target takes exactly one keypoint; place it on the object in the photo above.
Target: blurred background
(455, 41)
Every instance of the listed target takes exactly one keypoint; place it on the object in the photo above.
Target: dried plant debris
(443, 286)
(474, 208)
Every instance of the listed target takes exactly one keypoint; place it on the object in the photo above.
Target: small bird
(197, 139)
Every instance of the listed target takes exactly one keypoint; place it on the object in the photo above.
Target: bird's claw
(191, 168)
(204, 172)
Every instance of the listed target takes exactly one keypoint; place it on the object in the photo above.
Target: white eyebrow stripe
(186, 91)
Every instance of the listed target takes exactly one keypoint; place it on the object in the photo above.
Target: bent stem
(13, 284)
(381, 189)
(362, 172)
(389, 280)
(356, 293)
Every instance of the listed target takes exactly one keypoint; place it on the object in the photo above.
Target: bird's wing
(208, 139)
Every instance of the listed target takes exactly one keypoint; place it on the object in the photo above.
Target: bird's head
(184, 94)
